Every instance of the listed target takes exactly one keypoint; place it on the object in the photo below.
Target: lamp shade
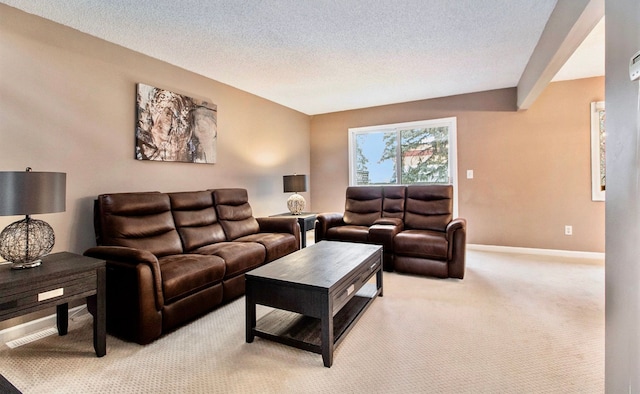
(294, 183)
(28, 193)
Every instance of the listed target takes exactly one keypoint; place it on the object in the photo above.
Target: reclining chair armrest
(382, 234)
(390, 221)
(457, 237)
(280, 225)
(325, 221)
(131, 256)
(455, 225)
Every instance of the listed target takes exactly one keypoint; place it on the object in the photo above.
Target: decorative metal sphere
(26, 240)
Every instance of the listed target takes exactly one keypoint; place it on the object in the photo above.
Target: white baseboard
(33, 326)
(535, 251)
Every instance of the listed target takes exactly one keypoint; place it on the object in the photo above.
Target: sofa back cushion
(234, 213)
(363, 205)
(137, 220)
(196, 219)
(428, 207)
(393, 201)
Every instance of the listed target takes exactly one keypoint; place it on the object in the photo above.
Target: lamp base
(24, 242)
(296, 204)
(21, 266)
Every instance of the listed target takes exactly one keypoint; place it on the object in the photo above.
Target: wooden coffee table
(318, 293)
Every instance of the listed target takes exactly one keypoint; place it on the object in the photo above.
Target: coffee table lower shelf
(304, 332)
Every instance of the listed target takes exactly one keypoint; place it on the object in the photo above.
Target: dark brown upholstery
(415, 226)
(426, 246)
(239, 224)
(373, 214)
(140, 221)
(170, 259)
(363, 207)
(197, 222)
(235, 213)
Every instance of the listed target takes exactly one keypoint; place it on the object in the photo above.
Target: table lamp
(295, 184)
(24, 242)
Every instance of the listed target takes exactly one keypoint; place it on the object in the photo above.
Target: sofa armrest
(131, 256)
(457, 236)
(383, 234)
(455, 225)
(325, 221)
(278, 225)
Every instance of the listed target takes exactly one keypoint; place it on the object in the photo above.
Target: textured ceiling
(319, 56)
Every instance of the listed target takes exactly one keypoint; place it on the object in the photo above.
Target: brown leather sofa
(414, 224)
(172, 257)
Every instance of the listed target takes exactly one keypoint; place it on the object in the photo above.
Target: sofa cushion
(186, 274)
(239, 257)
(363, 205)
(137, 220)
(393, 201)
(234, 213)
(421, 243)
(428, 207)
(196, 219)
(276, 244)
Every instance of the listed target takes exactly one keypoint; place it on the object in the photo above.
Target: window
(422, 152)
(403, 153)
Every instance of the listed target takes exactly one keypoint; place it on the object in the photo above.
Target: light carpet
(515, 324)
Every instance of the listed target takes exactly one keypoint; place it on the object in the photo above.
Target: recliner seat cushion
(276, 244)
(239, 257)
(186, 274)
(421, 243)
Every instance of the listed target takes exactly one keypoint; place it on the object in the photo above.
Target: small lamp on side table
(26, 193)
(295, 184)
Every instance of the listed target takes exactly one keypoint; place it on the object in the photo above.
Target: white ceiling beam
(569, 24)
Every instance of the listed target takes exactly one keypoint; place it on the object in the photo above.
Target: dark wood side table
(62, 277)
(306, 220)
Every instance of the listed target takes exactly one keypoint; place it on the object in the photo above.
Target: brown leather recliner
(170, 259)
(413, 224)
(373, 214)
(432, 243)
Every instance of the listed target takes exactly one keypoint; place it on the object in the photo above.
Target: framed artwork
(598, 145)
(174, 127)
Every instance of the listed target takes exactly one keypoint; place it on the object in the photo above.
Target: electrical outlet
(568, 230)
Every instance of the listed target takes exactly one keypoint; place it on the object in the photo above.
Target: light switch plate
(469, 174)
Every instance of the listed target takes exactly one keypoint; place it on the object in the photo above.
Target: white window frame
(451, 123)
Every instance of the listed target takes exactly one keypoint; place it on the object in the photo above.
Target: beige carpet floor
(515, 324)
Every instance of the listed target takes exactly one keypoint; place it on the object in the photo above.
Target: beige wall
(67, 103)
(622, 263)
(531, 168)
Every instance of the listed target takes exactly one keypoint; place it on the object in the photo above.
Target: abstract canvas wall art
(174, 127)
